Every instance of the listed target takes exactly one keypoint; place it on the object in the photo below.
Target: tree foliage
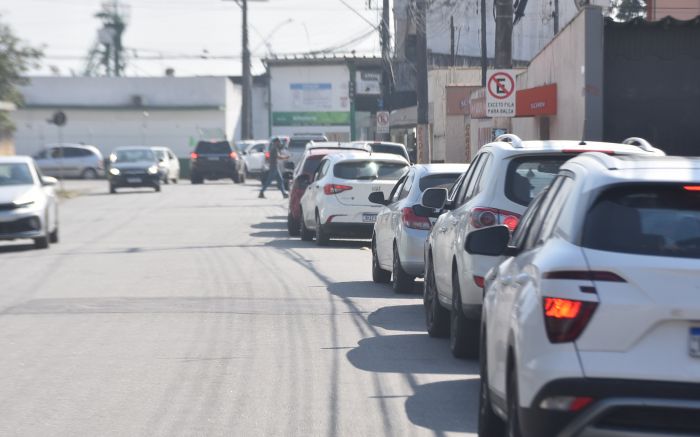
(16, 59)
(626, 10)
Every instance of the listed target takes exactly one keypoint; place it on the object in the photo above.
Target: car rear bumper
(619, 408)
(350, 230)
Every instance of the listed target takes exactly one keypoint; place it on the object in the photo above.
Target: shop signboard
(368, 83)
(500, 93)
(541, 100)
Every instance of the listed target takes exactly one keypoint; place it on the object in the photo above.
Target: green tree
(16, 59)
(626, 10)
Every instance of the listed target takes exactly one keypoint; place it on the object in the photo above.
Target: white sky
(67, 29)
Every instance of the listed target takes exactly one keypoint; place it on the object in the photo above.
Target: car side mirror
(48, 181)
(378, 198)
(434, 198)
(491, 241)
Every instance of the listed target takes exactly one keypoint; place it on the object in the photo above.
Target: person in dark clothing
(274, 173)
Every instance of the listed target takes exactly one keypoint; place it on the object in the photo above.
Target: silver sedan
(399, 234)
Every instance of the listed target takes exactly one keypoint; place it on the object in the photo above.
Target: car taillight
(691, 187)
(335, 188)
(479, 281)
(267, 156)
(565, 319)
(413, 221)
(485, 217)
(566, 403)
(194, 156)
(233, 155)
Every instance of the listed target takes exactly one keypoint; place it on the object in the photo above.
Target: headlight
(153, 169)
(114, 171)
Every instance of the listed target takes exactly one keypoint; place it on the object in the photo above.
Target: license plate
(369, 218)
(694, 343)
(133, 180)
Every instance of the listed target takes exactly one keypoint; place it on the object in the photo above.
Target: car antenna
(583, 134)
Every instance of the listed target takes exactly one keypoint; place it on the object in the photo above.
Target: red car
(304, 174)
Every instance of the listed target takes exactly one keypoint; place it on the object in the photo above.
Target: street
(190, 312)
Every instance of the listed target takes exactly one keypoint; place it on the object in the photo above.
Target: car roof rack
(640, 142)
(513, 139)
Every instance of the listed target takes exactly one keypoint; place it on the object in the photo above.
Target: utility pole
(484, 55)
(555, 17)
(452, 41)
(247, 100)
(504, 34)
(423, 128)
(386, 60)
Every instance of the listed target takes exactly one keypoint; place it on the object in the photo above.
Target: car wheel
(292, 226)
(166, 180)
(513, 423)
(322, 236)
(89, 173)
(175, 180)
(53, 236)
(157, 188)
(42, 242)
(401, 281)
(464, 332)
(379, 275)
(306, 233)
(112, 189)
(241, 178)
(437, 318)
(490, 425)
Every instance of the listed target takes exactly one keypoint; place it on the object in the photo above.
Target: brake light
(479, 281)
(584, 275)
(485, 217)
(413, 221)
(335, 188)
(194, 156)
(565, 319)
(691, 187)
(233, 155)
(267, 156)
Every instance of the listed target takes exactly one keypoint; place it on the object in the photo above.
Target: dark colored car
(212, 160)
(133, 167)
(303, 174)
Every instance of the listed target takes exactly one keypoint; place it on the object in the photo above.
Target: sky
(177, 33)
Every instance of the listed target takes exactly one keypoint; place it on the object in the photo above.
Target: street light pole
(247, 100)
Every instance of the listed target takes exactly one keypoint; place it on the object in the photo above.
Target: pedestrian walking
(274, 173)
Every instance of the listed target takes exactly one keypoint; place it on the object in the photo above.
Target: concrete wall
(678, 9)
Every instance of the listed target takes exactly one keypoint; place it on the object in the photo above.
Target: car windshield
(133, 155)
(370, 170)
(445, 180)
(528, 175)
(15, 174)
(647, 220)
(220, 147)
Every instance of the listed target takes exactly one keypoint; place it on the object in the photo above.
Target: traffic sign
(383, 122)
(59, 118)
(500, 93)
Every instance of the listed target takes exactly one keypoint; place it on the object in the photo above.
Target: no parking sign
(500, 93)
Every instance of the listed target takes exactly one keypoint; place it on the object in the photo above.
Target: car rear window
(385, 148)
(220, 147)
(297, 144)
(646, 219)
(370, 170)
(528, 175)
(438, 181)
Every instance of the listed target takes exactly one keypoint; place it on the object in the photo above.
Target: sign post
(383, 125)
(500, 93)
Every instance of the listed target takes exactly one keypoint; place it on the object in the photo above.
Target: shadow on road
(297, 243)
(399, 318)
(409, 354)
(269, 234)
(270, 225)
(448, 406)
(366, 289)
(120, 193)
(11, 248)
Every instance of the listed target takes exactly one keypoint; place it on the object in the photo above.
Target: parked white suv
(591, 326)
(501, 182)
(336, 203)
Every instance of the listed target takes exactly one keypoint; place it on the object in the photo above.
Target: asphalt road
(190, 312)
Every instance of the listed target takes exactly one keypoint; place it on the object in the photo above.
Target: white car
(255, 156)
(168, 164)
(399, 234)
(28, 205)
(502, 180)
(591, 325)
(336, 202)
(385, 147)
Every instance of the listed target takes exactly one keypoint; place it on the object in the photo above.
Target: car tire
(42, 242)
(175, 180)
(293, 226)
(157, 188)
(166, 179)
(53, 236)
(241, 178)
(513, 422)
(379, 275)
(306, 233)
(89, 173)
(437, 317)
(112, 189)
(490, 424)
(464, 332)
(322, 237)
(401, 281)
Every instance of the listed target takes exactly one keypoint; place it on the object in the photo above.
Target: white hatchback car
(336, 203)
(399, 234)
(168, 164)
(501, 182)
(591, 326)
